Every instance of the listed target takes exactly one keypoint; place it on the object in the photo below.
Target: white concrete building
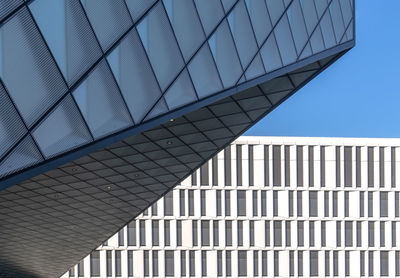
(269, 207)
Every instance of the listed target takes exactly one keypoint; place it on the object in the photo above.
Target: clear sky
(359, 95)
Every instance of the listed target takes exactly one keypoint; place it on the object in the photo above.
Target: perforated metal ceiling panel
(104, 119)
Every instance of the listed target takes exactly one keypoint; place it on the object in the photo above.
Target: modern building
(105, 105)
(269, 207)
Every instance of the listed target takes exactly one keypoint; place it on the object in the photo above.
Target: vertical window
(266, 165)
(242, 263)
(397, 261)
(312, 233)
(241, 202)
(255, 263)
(132, 233)
(181, 202)
(384, 263)
(251, 224)
(192, 266)
(179, 232)
(118, 268)
(146, 212)
(322, 169)
(335, 204)
(203, 202)
(227, 203)
(203, 263)
(299, 203)
(72, 271)
(335, 263)
(205, 232)
(219, 263)
(323, 233)
(358, 231)
(287, 165)
(314, 263)
(346, 204)
(219, 203)
(267, 231)
(311, 166)
(216, 232)
(275, 202)
(393, 234)
(239, 170)
(300, 263)
(263, 203)
(396, 204)
(204, 174)
(95, 263)
(291, 263)
(228, 263)
(300, 233)
(383, 204)
(191, 202)
(381, 166)
(371, 263)
(348, 233)
(362, 263)
(326, 203)
(370, 166)
(277, 233)
(348, 169)
(130, 263)
(361, 204)
(194, 232)
(358, 166)
(227, 166)
(194, 178)
(276, 165)
(109, 263)
(251, 165)
(169, 263)
(371, 234)
(276, 263)
(215, 170)
(167, 233)
(240, 232)
(169, 204)
(264, 259)
(154, 209)
(327, 264)
(121, 237)
(299, 162)
(382, 233)
(313, 203)
(370, 204)
(155, 233)
(183, 263)
(347, 263)
(255, 203)
(337, 166)
(291, 203)
(228, 233)
(288, 233)
(155, 263)
(393, 166)
(338, 234)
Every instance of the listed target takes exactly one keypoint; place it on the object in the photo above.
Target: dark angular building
(105, 105)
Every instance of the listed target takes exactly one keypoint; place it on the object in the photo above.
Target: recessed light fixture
(169, 142)
(136, 175)
(171, 120)
(108, 187)
(74, 169)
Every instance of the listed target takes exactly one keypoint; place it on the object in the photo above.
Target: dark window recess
(204, 174)
(266, 165)
(191, 202)
(322, 165)
(251, 165)
(241, 203)
(299, 164)
(169, 204)
(167, 232)
(358, 166)
(338, 183)
(348, 169)
(227, 166)
(95, 263)
(142, 232)
(255, 202)
(276, 165)
(370, 164)
(169, 263)
(182, 202)
(118, 266)
(203, 202)
(227, 203)
(239, 170)
(132, 233)
(219, 203)
(155, 262)
(194, 232)
(204, 263)
(393, 166)
(287, 165)
(381, 166)
(311, 166)
(215, 170)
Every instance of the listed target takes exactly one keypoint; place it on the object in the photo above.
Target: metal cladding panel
(114, 143)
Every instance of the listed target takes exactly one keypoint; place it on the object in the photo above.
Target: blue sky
(358, 96)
